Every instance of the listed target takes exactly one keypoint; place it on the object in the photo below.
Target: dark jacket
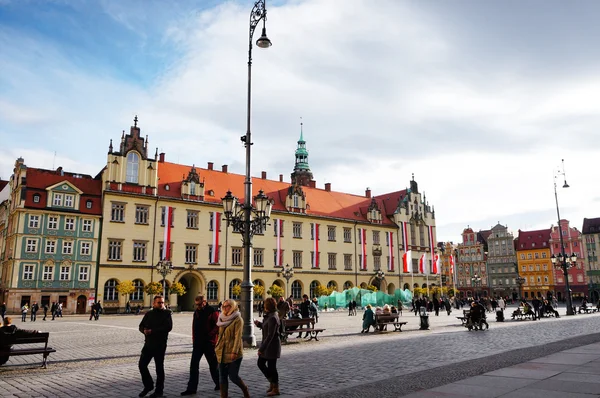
(35, 308)
(305, 309)
(204, 326)
(160, 322)
(283, 308)
(7, 335)
(270, 347)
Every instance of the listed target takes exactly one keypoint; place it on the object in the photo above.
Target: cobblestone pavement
(99, 359)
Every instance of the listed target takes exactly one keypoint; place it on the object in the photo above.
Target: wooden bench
(294, 325)
(519, 314)
(38, 338)
(382, 320)
(588, 309)
(465, 317)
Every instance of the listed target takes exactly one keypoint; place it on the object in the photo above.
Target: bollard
(424, 319)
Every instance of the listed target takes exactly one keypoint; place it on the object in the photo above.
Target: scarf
(225, 320)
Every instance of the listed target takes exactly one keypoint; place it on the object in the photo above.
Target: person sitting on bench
(7, 332)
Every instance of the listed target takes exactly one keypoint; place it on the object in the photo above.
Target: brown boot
(274, 391)
(244, 388)
(224, 390)
(270, 388)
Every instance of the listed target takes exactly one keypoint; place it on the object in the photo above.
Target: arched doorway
(391, 289)
(81, 304)
(193, 287)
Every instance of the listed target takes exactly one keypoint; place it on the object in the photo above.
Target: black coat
(270, 347)
(160, 322)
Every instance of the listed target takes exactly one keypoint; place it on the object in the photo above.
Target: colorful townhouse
(572, 241)
(535, 265)
(471, 275)
(51, 233)
(591, 243)
(502, 262)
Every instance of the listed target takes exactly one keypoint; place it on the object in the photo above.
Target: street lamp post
(288, 273)
(520, 281)
(476, 279)
(164, 268)
(562, 261)
(245, 218)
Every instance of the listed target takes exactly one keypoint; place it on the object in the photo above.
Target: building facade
(573, 244)
(502, 262)
(534, 263)
(591, 241)
(329, 238)
(51, 238)
(472, 277)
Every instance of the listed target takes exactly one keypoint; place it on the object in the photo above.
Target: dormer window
(57, 199)
(36, 198)
(296, 200)
(68, 200)
(88, 204)
(192, 188)
(133, 165)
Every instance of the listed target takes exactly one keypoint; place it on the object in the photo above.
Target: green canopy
(363, 297)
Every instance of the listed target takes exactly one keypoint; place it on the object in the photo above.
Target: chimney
(263, 175)
(312, 184)
(161, 157)
(280, 177)
(368, 192)
(328, 187)
(224, 168)
(210, 165)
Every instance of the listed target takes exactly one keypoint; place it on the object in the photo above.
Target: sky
(480, 100)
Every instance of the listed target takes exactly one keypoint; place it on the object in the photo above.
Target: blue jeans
(230, 369)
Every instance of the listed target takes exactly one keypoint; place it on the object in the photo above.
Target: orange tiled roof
(533, 239)
(320, 202)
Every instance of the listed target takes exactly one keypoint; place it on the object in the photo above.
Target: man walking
(34, 309)
(53, 310)
(45, 308)
(204, 338)
(156, 326)
(3, 310)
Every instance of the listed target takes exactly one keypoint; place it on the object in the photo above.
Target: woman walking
(270, 347)
(229, 348)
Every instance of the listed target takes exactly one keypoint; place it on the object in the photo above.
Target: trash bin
(499, 315)
(424, 318)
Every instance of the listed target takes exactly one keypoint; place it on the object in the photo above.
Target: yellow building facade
(357, 235)
(534, 263)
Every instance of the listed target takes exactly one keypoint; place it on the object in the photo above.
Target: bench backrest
(29, 339)
(298, 322)
(386, 317)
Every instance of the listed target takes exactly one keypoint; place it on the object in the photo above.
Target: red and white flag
(316, 246)
(391, 251)
(407, 262)
(166, 253)
(432, 250)
(436, 264)
(451, 264)
(363, 250)
(216, 226)
(423, 264)
(278, 233)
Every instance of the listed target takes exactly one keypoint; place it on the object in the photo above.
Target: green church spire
(302, 174)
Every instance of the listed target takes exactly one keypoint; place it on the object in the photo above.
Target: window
(36, 198)
(138, 293)
(297, 229)
(313, 287)
(48, 271)
(34, 221)
(162, 216)
(110, 290)
(531, 268)
(231, 286)
(28, 272)
(331, 260)
(141, 214)
(276, 225)
(86, 226)
(69, 224)
(376, 263)
(529, 256)
(296, 201)
(297, 259)
(191, 254)
(84, 273)
(544, 255)
(375, 237)
(68, 200)
(65, 273)
(312, 231)
(348, 235)
(536, 255)
(139, 251)
(330, 233)
(88, 204)
(57, 199)
(275, 258)
(257, 256)
(31, 246)
(192, 219)
(212, 290)
(312, 259)
(522, 257)
(296, 290)
(192, 188)
(117, 213)
(50, 247)
(67, 247)
(236, 255)
(52, 222)
(114, 250)
(133, 163)
(210, 254)
(348, 262)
